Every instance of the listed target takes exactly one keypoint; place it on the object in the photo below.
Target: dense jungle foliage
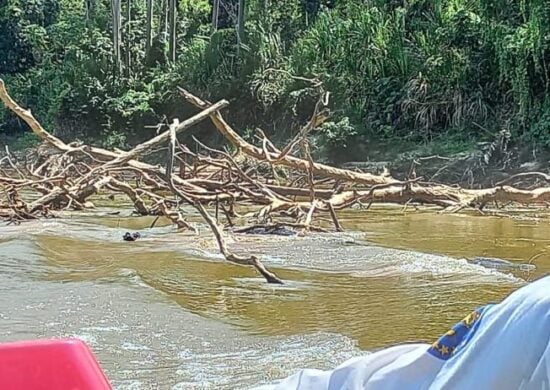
(413, 70)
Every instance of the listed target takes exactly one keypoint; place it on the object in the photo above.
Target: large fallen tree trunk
(91, 182)
(98, 153)
(385, 188)
(288, 161)
(69, 178)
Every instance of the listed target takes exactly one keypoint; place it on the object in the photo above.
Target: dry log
(67, 179)
(233, 258)
(288, 161)
(175, 217)
(334, 217)
(139, 203)
(100, 153)
(229, 256)
(160, 139)
(538, 175)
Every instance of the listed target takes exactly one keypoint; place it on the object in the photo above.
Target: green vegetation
(413, 71)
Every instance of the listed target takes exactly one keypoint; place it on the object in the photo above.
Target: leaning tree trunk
(163, 25)
(215, 13)
(115, 5)
(128, 41)
(90, 9)
(240, 25)
(241, 20)
(149, 32)
(173, 10)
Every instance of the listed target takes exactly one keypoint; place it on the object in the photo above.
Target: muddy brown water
(165, 312)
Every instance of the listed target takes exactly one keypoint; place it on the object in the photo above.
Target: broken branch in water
(229, 256)
(282, 189)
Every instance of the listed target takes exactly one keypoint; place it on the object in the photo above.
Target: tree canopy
(416, 69)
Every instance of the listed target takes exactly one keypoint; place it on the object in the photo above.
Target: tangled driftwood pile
(292, 196)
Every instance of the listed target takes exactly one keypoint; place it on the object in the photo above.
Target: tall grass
(433, 65)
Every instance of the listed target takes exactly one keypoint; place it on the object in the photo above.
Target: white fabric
(510, 350)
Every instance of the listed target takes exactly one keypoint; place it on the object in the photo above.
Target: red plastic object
(50, 365)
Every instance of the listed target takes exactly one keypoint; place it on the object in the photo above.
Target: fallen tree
(68, 178)
(79, 180)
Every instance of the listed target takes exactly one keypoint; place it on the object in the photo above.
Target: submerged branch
(274, 187)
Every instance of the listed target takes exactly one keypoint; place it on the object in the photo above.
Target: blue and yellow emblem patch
(458, 336)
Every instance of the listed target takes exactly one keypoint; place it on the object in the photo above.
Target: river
(166, 312)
